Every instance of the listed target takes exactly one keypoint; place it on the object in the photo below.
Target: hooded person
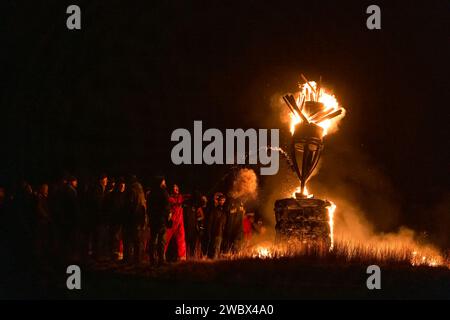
(159, 216)
(176, 231)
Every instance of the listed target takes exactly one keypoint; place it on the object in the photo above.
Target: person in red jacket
(177, 229)
(249, 219)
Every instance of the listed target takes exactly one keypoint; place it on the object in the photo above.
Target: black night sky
(107, 97)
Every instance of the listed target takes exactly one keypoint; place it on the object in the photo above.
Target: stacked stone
(304, 220)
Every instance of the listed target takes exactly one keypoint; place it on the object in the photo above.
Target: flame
(295, 119)
(262, 252)
(331, 210)
(427, 257)
(324, 96)
(305, 193)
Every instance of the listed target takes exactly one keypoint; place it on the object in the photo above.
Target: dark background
(108, 96)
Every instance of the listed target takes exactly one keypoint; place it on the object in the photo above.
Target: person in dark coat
(135, 222)
(210, 205)
(100, 217)
(117, 205)
(194, 224)
(19, 262)
(70, 220)
(216, 226)
(159, 216)
(43, 234)
(2, 203)
(235, 226)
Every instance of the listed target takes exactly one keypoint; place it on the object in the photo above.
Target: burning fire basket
(304, 218)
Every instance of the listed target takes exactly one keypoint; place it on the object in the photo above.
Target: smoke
(368, 213)
(245, 185)
(279, 107)
(354, 232)
(440, 221)
(275, 187)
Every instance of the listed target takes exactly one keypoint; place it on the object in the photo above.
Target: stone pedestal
(304, 220)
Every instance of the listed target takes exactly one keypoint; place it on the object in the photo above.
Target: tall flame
(324, 96)
(331, 210)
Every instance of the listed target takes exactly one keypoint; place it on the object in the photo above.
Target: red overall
(177, 229)
(247, 229)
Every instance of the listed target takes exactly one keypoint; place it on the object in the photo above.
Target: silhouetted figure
(159, 215)
(43, 232)
(2, 201)
(19, 263)
(235, 226)
(117, 206)
(100, 218)
(194, 225)
(216, 226)
(69, 223)
(210, 205)
(249, 221)
(23, 217)
(3, 205)
(134, 223)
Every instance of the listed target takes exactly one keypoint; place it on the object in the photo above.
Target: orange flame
(331, 210)
(305, 193)
(330, 104)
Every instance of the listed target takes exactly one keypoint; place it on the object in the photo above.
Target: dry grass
(347, 252)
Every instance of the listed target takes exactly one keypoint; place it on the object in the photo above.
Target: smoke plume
(245, 185)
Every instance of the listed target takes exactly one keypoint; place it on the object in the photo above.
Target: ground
(288, 278)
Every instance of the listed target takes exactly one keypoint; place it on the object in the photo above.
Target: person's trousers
(157, 243)
(177, 232)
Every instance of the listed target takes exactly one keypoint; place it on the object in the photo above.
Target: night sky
(108, 96)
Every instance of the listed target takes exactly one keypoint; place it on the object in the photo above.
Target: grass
(287, 272)
(346, 252)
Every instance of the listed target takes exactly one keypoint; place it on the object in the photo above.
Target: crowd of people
(120, 220)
